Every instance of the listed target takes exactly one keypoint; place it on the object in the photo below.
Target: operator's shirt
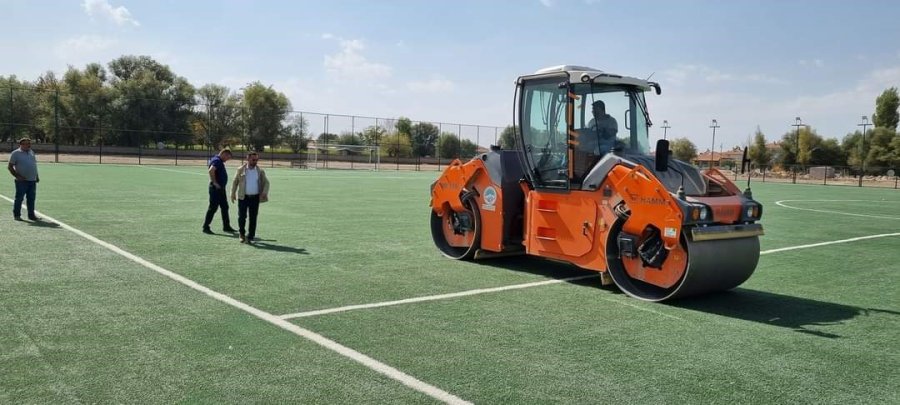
(600, 136)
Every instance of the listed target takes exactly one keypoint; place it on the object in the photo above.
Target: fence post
(764, 169)
(56, 126)
(101, 138)
(794, 173)
(860, 178)
(12, 114)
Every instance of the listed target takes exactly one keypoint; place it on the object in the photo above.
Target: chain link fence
(85, 127)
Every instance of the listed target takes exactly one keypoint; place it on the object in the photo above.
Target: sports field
(118, 297)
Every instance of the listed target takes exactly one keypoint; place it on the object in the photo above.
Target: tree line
(878, 148)
(138, 101)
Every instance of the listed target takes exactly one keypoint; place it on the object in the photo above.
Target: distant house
(727, 159)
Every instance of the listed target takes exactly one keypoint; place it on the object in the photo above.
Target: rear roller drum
(692, 268)
(458, 234)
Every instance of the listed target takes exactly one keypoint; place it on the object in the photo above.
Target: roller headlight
(704, 213)
(752, 211)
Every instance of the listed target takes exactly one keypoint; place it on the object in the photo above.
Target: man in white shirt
(250, 187)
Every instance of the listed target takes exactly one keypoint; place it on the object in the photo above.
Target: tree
(148, 102)
(265, 110)
(18, 107)
(423, 137)
(880, 153)
(373, 135)
(851, 148)
(326, 137)
(349, 138)
(886, 109)
(396, 145)
(758, 153)
(217, 120)
(683, 149)
(448, 145)
(403, 126)
(808, 140)
(84, 102)
(828, 153)
(508, 137)
(468, 148)
(788, 155)
(296, 133)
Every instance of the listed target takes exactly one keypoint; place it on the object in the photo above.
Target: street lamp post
(865, 123)
(712, 150)
(798, 123)
(665, 127)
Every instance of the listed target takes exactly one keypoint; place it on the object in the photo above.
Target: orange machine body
(574, 225)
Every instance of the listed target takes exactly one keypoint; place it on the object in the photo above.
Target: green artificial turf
(81, 323)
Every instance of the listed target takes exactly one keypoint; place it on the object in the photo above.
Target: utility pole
(712, 150)
(798, 123)
(665, 127)
(865, 123)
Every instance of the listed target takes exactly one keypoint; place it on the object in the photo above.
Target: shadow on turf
(43, 224)
(774, 309)
(265, 245)
(262, 244)
(798, 314)
(543, 267)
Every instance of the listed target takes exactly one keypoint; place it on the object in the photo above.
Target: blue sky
(745, 63)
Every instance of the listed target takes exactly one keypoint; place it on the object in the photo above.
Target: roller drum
(713, 265)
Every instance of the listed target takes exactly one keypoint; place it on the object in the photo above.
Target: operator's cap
(23, 140)
(599, 103)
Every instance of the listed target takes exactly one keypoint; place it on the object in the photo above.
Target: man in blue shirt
(23, 166)
(218, 178)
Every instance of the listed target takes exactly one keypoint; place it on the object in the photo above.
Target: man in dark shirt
(218, 178)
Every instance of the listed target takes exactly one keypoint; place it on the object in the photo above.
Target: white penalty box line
(479, 291)
(375, 365)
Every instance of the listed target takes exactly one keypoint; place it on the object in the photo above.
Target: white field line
(345, 351)
(432, 297)
(834, 242)
(542, 283)
(782, 204)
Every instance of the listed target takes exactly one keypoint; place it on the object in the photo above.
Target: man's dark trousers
(24, 189)
(217, 200)
(249, 203)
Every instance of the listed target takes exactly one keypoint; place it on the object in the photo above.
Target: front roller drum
(458, 234)
(714, 265)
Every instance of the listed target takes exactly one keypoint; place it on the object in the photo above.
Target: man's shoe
(17, 218)
(243, 239)
(250, 240)
(207, 231)
(34, 218)
(229, 229)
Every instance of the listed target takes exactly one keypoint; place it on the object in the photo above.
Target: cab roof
(586, 74)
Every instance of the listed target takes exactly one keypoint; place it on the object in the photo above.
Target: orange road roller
(581, 186)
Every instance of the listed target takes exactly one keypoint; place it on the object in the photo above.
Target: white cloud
(83, 45)
(349, 62)
(548, 3)
(815, 62)
(119, 15)
(434, 85)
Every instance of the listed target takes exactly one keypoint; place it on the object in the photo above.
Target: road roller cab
(581, 186)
